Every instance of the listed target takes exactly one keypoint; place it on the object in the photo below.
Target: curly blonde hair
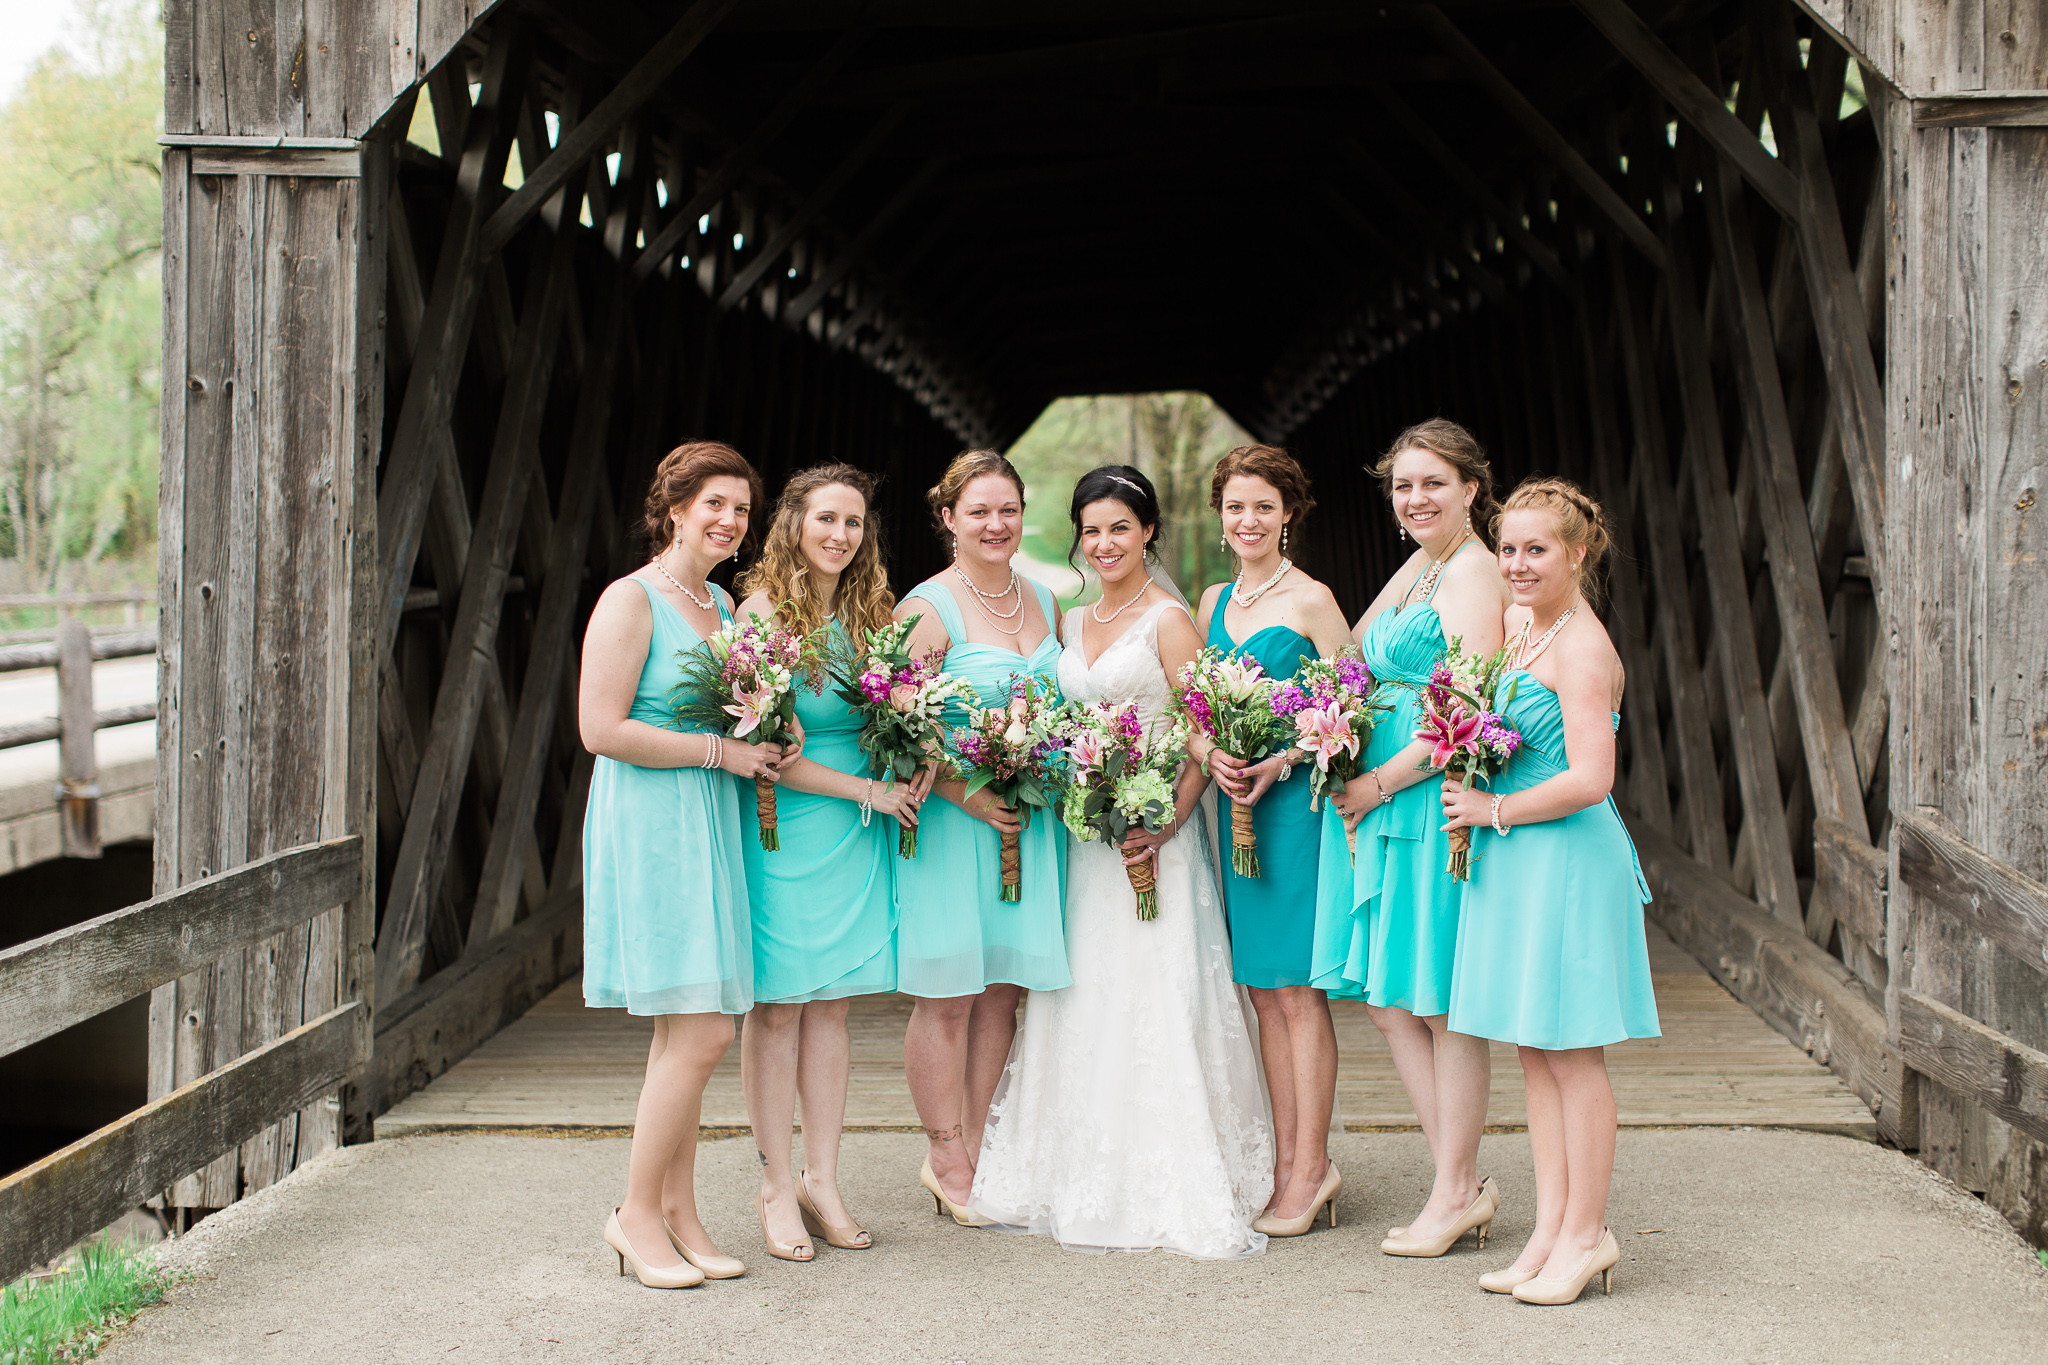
(784, 577)
(1580, 523)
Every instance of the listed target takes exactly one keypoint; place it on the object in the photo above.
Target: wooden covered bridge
(1770, 278)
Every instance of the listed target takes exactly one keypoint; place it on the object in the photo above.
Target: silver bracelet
(1285, 766)
(718, 751)
(710, 743)
(867, 804)
(1498, 828)
(1385, 795)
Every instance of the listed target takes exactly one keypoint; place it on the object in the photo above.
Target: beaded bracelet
(1502, 830)
(867, 804)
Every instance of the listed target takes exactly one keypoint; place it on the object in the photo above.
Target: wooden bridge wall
(390, 466)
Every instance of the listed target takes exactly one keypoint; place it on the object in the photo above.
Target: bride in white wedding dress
(1133, 1113)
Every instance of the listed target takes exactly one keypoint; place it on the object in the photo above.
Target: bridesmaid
(1556, 893)
(1278, 615)
(966, 956)
(665, 928)
(824, 917)
(1387, 922)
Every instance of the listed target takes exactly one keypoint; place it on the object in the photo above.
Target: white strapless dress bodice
(1133, 1112)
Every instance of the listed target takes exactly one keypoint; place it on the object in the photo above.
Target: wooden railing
(1968, 1058)
(72, 654)
(51, 983)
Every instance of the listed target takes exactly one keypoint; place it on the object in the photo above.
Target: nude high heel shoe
(795, 1251)
(714, 1267)
(1326, 1198)
(960, 1213)
(1477, 1218)
(846, 1239)
(1504, 1281)
(1599, 1261)
(684, 1276)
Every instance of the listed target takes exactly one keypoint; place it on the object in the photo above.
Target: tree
(80, 283)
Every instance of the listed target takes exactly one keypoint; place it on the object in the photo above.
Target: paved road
(1768, 1246)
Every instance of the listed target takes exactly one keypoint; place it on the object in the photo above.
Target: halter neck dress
(824, 907)
(953, 935)
(1551, 950)
(1272, 916)
(665, 912)
(1387, 922)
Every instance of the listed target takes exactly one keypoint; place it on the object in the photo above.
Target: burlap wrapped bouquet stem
(1244, 841)
(1143, 881)
(764, 808)
(1013, 870)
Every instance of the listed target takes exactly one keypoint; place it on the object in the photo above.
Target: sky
(28, 29)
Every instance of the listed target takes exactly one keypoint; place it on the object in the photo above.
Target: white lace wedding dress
(1132, 1113)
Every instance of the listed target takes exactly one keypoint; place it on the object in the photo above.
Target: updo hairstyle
(682, 474)
(1579, 521)
(1456, 447)
(1276, 467)
(1117, 483)
(964, 469)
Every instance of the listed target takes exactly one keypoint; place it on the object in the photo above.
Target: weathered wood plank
(1975, 1062)
(1991, 897)
(1982, 109)
(46, 1207)
(1849, 879)
(50, 983)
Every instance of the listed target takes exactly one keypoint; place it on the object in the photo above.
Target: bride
(1132, 1114)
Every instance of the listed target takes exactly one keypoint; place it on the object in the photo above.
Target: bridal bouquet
(743, 682)
(1463, 719)
(1119, 777)
(1331, 701)
(1230, 699)
(1009, 750)
(901, 702)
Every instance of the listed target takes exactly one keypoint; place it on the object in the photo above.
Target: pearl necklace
(1105, 620)
(1245, 599)
(1524, 655)
(982, 600)
(703, 604)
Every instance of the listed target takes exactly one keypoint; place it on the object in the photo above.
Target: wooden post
(78, 781)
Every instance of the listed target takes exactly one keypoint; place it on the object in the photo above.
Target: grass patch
(67, 1316)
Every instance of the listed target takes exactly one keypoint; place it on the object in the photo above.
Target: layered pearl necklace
(1525, 654)
(702, 604)
(982, 600)
(1245, 599)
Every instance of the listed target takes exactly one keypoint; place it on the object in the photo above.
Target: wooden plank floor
(564, 1066)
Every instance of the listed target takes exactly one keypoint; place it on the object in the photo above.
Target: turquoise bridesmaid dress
(665, 924)
(824, 903)
(1272, 916)
(1387, 923)
(1551, 952)
(953, 936)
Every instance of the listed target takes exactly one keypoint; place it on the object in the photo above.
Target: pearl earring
(1283, 540)
(1400, 530)
(1223, 544)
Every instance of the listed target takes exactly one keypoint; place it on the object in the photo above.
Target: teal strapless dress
(953, 936)
(1387, 923)
(1272, 916)
(1551, 952)
(665, 910)
(824, 903)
